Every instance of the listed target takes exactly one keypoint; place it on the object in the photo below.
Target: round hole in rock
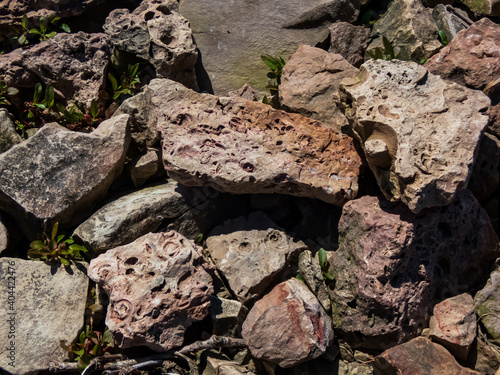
(131, 261)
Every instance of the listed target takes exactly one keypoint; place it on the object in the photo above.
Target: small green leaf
(443, 37)
(388, 47)
(323, 261)
(34, 31)
(269, 61)
(37, 96)
(49, 97)
(24, 22)
(43, 24)
(107, 337)
(329, 276)
(22, 40)
(79, 352)
(94, 110)
(37, 245)
(65, 28)
(114, 82)
(55, 227)
(299, 277)
(133, 70)
(50, 35)
(54, 19)
(199, 238)
(265, 100)
(39, 106)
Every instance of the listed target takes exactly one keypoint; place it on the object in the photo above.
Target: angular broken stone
(391, 264)
(487, 302)
(8, 136)
(238, 146)
(157, 287)
(227, 316)
(288, 326)
(144, 167)
(454, 326)
(57, 175)
(310, 84)
(311, 272)
(41, 306)
(420, 133)
(157, 33)
(349, 41)
(250, 252)
(450, 20)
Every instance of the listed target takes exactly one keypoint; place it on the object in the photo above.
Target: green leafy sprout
(443, 38)
(5, 92)
(388, 53)
(30, 35)
(325, 265)
(128, 85)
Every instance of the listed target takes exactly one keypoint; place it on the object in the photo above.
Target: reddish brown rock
(420, 356)
(310, 84)
(349, 41)
(157, 287)
(288, 326)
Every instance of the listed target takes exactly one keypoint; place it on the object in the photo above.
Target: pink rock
(288, 326)
(349, 41)
(157, 286)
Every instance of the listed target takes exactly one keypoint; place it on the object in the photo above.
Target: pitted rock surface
(419, 132)
(250, 252)
(288, 326)
(157, 33)
(239, 146)
(310, 84)
(74, 64)
(391, 263)
(58, 174)
(157, 286)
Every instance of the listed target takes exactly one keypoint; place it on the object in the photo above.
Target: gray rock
(227, 316)
(144, 167)
(310, 85)
(484, 7)
(349, 41)
(288, 326)
(485, 175)
(311, 272)
(250, 252)
(488, 306)
(157, 33)
(8, 135)
(231, 44)
(57, 175)
(409, 26)
(41, 306)
(157, 287)
(218, 365)
(4, 236)
(245, 92)
(450, 20)
(420, 133)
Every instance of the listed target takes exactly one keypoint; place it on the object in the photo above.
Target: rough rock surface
(454, 326)
(46, 307)
(349, 41)
(250, 252)
(409, 26)
(288, 326)
(131, 216)
(472, 58)
(419, 132)
(58, 174)
(391, 263)
(450, 20)
(73, 63)
(485, 175)
(311, 272)
(487, 303)
(157, 286)
(420, 356)
(157, 33)
(8, 136)
(238, 146)
(310, 85)
(144, 167)
(231, 45)
(227, 316)
(4, 236)
(494, 126)
(486, 7)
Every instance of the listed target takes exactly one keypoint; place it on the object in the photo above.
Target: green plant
(56, 249)
(5, 92)
(129, 83)
(325, 265)
(75, 119)
(30, 35)
(388, 53)
(276, 65)
(443, 38)
(41, 101)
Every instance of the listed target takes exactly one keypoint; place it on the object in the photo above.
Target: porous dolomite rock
(420, 133)
(157, 33)
(73, 63)
(250, 252)
(288, 326)
(349, 41)
(391, 264)
(42, 305)
(239, 146)
(310, 85)
(57, 175)
(488, 306)
(157, 286)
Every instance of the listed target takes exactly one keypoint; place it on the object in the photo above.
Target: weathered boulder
(73, 63)
(486, 7)
(57, 175)
(157, 286)
(488, 306)
(227, 316)
(144, 167)
(8, 136)
(472, 58)
(311, 272)
(420, 133)
(288, 326)
(349, 41)
(250, 252)
(391, 264)
(454, 326)
(239, 146)
(4, 236)
(131, 216)
(41, 306)
(485, 357)
(245, 92)
(231, 45)
(486, 172)
(450, 20)
(157, 33)
(409, 26)
(420, 356)
(310, 85)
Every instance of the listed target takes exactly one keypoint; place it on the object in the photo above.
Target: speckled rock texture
(57, 175)
(251, 252)
(157, 286)
(74, 64)
(454, 326)
(8, 135)
(349, 41)
(310, 85)
(48, 305)
(391, 264)
(486, 7)
(239, 146)
(157, 33)
(420, 356)
(420, 133)
(487, 302)
(288, 326)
